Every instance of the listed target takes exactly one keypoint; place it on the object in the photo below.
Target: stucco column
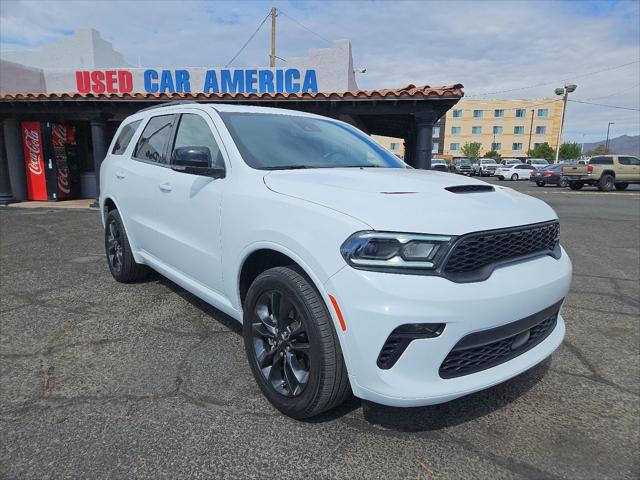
(424, 142)
(99, 150)
(6, 196)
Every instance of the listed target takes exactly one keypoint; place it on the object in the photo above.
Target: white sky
(487, 46)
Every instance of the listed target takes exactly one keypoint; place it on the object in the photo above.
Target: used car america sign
(290, 80)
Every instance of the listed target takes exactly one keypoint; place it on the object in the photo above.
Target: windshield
(279, 142)
(489, 162)
(464, 161)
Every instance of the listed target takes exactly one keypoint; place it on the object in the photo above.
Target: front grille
(489, 348)
(476, 251)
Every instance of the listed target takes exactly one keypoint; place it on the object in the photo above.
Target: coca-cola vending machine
(51, 162)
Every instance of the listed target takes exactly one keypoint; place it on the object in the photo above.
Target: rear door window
(123, 140)
(152, 145)
(601, 161)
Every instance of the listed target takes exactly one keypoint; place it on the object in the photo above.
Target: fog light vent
(401, 337)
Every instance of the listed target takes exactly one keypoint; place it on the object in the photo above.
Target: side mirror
(195, 160)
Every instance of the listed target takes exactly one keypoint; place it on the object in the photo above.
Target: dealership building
(61, 104)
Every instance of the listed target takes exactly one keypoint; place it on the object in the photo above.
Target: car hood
(409, 200)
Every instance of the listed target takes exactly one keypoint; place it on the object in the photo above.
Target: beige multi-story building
(509, 127)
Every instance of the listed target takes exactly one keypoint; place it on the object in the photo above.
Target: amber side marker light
(343, 325)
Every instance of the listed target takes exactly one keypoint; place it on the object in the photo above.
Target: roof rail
(167, 104)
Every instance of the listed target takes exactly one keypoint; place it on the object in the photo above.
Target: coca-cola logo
(32, 146)
(58, 134)
(63, 181)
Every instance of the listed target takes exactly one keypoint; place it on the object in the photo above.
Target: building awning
(410, 92)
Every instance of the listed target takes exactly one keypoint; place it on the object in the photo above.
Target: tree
(569, 150)
(542, 151)
(471, 150)
(599, 150)
(492, 154)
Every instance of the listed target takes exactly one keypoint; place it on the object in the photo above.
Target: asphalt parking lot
(102, 380)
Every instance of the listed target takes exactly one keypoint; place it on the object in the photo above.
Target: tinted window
(152, 145)
(193, 131)
(629, 160)
(126, 134)
(276, 141)
(601, 161)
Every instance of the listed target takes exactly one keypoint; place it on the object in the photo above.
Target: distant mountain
(623, 144)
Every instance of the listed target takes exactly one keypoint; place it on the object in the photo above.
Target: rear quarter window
(123, 140)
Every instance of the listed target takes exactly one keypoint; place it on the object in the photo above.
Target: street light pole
(565, 94)
(606, 145)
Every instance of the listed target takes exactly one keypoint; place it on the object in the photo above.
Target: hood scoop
(470, 188)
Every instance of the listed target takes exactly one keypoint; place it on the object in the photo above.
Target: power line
(555, 81)
(247, 42)
(620, 92)
(305, 27)
(609, 106)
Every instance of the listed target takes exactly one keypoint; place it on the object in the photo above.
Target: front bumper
(374, 304)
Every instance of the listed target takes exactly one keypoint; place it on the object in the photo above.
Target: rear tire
(563, 182)
(120, 259)
(291, 345)
(514, 177)
(621, 186)
(606, 183)
(576, 185)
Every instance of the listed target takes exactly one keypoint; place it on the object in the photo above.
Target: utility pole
(606, 145)
(272, 57)
(530, 131)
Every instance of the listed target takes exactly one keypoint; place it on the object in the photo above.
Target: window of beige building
(516, 147)
(476, 130)
(521, 113)
(436, 131)
(457, 114)
(543, 112)
(518, 130)
(541, 130)
(497, 130)
(455, 130)
(477, 114)
(496, 147)
(498, 114)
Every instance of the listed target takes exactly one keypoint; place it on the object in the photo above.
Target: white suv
(348, 270)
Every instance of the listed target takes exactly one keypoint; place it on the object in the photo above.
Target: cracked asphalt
(102, 380)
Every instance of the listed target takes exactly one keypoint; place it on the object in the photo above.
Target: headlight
(395, 251)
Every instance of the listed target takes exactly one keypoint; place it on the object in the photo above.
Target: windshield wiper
(286, 167)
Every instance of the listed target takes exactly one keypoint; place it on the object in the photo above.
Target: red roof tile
(410, 91)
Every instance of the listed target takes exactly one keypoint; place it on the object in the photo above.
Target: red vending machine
(51, 162)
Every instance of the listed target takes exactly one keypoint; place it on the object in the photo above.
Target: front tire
(540, 184)
(514, 177)
(291, 345)
(576, 185)
(621, 186)
(120, 259)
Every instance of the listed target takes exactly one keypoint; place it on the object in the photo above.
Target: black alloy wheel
(114, 246)
(291, 344)
(280, 343)
(120, 259)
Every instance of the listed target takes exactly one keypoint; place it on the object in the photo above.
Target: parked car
(537, 162)
(605, 172)
(296, 226)
(550, 175)
(520, 171)
(463, 166)
(439, 165)
(485, 167)
(511, 161)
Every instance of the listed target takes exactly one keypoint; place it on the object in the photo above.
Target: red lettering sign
(99, 81)
(34, 161)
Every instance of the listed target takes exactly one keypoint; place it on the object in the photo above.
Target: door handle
(165, 187)
(120, 174)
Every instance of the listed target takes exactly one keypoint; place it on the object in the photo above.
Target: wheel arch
(109, 203)
(260, 257)
(608, 172)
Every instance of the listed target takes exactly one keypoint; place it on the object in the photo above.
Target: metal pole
(272, 57)
(6, 195)
(530, 131)
(564, 107)
(606, 145)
